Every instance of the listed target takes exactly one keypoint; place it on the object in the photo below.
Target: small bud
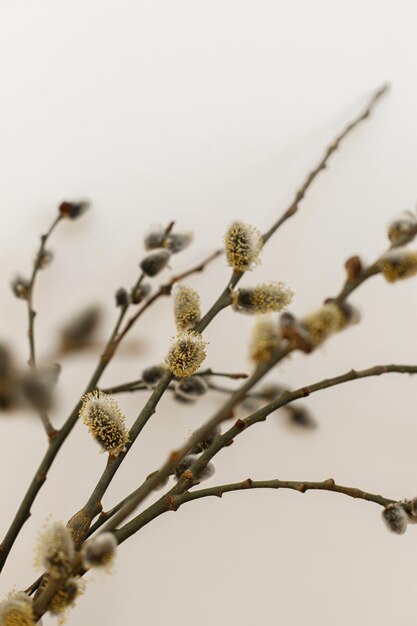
(79, 332)
(73, 210)
(186, 354)
(295, 333)
(105, 421)
(265, 298)
(353, 267)
(396, 518)
(122, 297)
(20, 287)
(300, 417)
(398, 264)
(66, 596)
(186, 463)
(100, 551)
(152, 375)
(155, 262)
(55, 551)
(177, 242)
(243, 246)
(154, 238)
(17, 610)
(36, 389)
(207, 440)
(44, 259)
(190, 389)
(187, 307)
(266, 338)
(138, 294)
(403, 229)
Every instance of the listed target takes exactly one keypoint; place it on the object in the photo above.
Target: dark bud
(186, 463)
(271, 391)
(73, 210)
(154, 238)
(177, 242)
(155, 262)
(207, 440)
(140, 293)
(190, 389)
(152, 375)
(44, 259)
(295, 333)
(353, 267)
(20, 287)
(6, 362)
(300, 417)
(8, 380)
(395, 517)
(122, 297)
(80, 331)
(36, 390)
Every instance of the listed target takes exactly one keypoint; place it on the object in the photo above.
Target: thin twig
(139, 385)
(39, 478)
(165, 290)
(293, 208)
(223, 301)
(93, 505)
(37, 265)
(172, 502)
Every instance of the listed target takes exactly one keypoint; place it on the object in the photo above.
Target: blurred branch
(37, 265)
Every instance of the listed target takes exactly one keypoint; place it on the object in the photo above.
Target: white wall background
(205, 112)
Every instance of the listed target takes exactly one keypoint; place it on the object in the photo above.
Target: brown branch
(93, 505)
(285, 398)
(23, 512)
(293, 208)
(165, 290)
(172, 502)
(139, 385)
(37, 265)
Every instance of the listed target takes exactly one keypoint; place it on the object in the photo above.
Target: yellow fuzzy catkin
(66, 596)
(187, 307)
(105, 421)
(55, 550)
(243, 245)
(270, 297)
(398, 265)
(186, 354)
(17, 611)
(266, 337)
(328, 319)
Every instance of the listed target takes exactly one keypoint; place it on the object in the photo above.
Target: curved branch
(173, 502)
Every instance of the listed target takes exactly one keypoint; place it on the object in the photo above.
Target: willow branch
(223, 301)
(286, 397)
(293, 208)
(173, 502)
(139, 385)
(39, 478)
(37, 265)
(165, 290)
